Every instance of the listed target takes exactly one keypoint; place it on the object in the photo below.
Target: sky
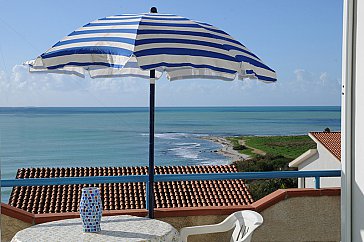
(300, 39)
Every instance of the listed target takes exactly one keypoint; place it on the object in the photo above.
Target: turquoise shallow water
(40, 137)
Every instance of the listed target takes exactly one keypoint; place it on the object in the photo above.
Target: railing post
(146, 195)
(317, 182)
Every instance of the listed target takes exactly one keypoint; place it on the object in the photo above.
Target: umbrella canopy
(148, 45)
(132, 44)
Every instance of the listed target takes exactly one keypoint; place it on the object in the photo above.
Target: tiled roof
(331, 141)
(116, 196)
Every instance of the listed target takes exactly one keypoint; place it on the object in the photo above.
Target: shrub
(268, 162)
(239, 147)
(262, 188)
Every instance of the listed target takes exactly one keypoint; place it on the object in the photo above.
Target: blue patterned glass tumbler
(91, 209)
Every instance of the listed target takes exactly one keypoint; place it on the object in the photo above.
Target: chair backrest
(245, 223)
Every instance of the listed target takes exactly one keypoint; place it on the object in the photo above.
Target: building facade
(326, 156)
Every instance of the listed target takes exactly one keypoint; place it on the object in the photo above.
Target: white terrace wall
(302, 218)
(10, 226)
(313, 218)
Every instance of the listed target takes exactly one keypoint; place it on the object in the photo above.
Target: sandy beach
(227, 148)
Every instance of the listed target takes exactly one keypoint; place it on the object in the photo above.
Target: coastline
(227, 148)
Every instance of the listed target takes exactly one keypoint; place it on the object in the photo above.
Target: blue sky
(300, 39)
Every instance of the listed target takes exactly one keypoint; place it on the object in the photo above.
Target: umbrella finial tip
(153, 10)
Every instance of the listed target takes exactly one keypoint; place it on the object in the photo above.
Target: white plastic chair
(245, 222)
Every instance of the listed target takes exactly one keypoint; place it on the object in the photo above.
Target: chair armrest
(204, 229)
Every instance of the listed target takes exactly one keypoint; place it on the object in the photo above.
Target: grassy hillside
(274, 154)
(287, 146)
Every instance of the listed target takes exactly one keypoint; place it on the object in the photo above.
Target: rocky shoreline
(227, 148)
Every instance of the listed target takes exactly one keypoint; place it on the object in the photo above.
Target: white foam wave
(185, 152)
(168, 135)
(215, 162)
(189, 144)
(174, 135)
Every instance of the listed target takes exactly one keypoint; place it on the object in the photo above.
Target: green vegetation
(264, 163)
(262, 188)
(240, 148)
(280, 150)
(249, 152)
(287, 146)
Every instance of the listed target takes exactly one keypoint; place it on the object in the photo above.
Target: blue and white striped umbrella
(147, 45)
(133, 44)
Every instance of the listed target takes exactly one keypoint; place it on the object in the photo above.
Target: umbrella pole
(150, 184)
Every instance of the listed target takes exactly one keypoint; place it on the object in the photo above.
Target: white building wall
(302, 167)
(322, 160)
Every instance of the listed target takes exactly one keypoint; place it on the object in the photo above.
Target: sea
(75, 137)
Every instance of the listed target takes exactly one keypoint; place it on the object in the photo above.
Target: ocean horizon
(118, 136)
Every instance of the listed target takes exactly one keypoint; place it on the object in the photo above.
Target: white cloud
(19, 79)
(324, 78)
(303, 79)
(21, 88)
(310, 81)
(117, 85)
(245, 84)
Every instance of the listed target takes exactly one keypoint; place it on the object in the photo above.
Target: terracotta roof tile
(116, 196)
(331, 141)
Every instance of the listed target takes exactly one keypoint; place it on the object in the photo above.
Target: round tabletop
(113, 228)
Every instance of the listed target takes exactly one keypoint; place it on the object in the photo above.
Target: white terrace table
(113, 228)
